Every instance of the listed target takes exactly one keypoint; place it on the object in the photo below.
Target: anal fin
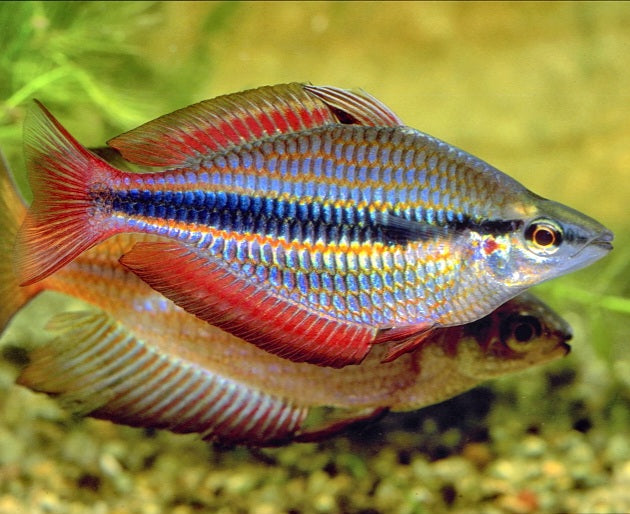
(211, 291)
(97, 367)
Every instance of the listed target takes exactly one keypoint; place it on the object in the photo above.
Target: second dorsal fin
(356, 107)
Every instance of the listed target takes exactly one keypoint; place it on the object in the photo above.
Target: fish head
(548, 240)
(522, 333)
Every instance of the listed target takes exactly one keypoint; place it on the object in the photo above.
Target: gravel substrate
(553, 439)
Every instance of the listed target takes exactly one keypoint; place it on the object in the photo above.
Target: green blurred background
(539, 90)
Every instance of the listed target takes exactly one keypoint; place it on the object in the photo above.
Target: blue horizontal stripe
(291, 220)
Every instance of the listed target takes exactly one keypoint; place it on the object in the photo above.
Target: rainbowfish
(143, 361)
(98, 367)
(306, 220)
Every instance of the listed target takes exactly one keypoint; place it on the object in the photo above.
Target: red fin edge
(210, 291)
(221, 123)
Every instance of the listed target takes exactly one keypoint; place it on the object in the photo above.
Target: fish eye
(543, 236)
(518, 330)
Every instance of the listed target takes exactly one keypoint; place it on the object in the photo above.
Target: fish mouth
(563, 336)
(561, 349)
(602, 241)
(565, 347)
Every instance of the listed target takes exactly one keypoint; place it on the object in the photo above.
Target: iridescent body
(306, 220)
(146, 362)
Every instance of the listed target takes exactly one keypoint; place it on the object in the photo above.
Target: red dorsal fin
(219, 124)
(211, 291)
(356, 107)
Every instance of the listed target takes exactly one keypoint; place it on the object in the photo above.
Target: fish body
(308, 221)
(232, 391)
(141, 360)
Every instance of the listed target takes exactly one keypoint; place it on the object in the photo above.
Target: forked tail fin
(62, 173)
(12, 212)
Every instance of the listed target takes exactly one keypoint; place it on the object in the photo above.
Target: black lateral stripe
(497, 227)
(291, 220)
(399, 230)
(486, 227)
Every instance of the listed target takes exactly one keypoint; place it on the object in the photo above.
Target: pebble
(523, 502)
(533, 446)
(240, 482)
(621, 473)
(514, 471)
(617, 449)
(556, 473)
(477, 453)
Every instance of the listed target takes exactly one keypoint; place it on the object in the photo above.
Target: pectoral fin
(405, 339)
(213, 292)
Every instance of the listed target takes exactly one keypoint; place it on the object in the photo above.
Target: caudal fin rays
(61, 172)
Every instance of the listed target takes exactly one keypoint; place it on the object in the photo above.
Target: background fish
(149, 363)
(230, 390)
(305, 220)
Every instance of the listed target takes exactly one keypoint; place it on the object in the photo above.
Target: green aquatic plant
(604, 307)
(65, 55)
(88, 61)
(68, 57)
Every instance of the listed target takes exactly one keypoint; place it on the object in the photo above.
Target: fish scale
(302, 219)
(292, 222)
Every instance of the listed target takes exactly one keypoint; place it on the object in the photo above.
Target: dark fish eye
(524, 332)
(543, 236)
(518, 329)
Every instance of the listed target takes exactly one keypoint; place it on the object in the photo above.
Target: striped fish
(142, 361)
(306, 220)
(97, 366)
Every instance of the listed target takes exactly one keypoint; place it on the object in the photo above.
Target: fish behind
(309, 221)
(138, 359)
(99, 367)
